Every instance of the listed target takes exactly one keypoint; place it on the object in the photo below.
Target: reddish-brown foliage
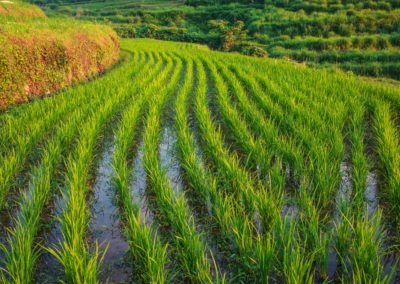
(40, 61)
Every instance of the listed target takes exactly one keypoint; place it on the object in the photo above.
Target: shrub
(368, 42)
(230, 35)
(395, 40)
(252, 50)
(382, 43)
(40, 57)
(20, 10)
(343, 43)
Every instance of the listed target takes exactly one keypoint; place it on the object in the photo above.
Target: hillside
(187, 165)
(40, 55)
(358, 36)
(20, 9)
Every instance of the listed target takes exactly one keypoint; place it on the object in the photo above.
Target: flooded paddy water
(105, 227)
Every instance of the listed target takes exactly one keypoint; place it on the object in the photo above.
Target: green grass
(263, 149)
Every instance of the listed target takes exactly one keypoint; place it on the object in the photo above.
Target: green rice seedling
(324, 172)
(145, 246)
(254, 149)
(294, 263)
(189, 244)
(316, 240)
(360, 247)
(360, 166)
(12, 162)
(344, 232)
(239, 179)
(367, 257)
(79, 264)
(388, 150)
(263, 127)
(239, 228)
(26, 225)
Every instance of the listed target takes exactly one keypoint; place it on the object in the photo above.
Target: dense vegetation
(360, 36)
(39, 55)
(225, 168)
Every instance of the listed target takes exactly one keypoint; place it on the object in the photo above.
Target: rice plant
(297, 169)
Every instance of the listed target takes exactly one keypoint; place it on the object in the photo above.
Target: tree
(229, 35)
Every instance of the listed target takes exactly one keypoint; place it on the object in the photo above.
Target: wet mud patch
(49, 269)
(371, 193)
(290, 210)
(345, 190)
(105, 225)
(138, 187)
(168, 159)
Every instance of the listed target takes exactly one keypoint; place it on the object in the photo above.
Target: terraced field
(187, 165)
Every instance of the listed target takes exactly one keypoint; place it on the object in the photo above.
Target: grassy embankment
(40, 55)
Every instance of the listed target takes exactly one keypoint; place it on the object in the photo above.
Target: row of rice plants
(387, 137)
(360, 228)
(234, 224)
(257, 155)
(365, 254)
(20, 252)
(255, 249)
(323, 158)
(321, 243)
(21, 255)
(149, 254)
(188, 243)
(29, 115)
(79, 263)
(23, 143)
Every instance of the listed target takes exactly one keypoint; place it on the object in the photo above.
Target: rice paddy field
(187, 165)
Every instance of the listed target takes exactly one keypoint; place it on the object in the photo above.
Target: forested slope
(358, 35)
